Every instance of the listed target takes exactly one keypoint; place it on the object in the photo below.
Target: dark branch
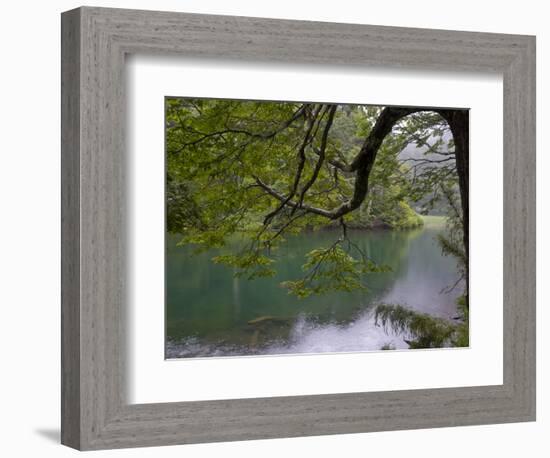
(321, 153)
(362, 165)
(363, 162)
(231, 130)
(272, 192)
(308, 138)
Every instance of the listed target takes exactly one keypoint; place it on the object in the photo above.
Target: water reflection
(208, 310)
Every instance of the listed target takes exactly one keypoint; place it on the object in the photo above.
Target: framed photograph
(279, 228)
(309, 239)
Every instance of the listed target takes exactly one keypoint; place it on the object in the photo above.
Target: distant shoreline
(429, 221)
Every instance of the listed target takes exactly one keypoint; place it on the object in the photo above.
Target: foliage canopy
(258, 172)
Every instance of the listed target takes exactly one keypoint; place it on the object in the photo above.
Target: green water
(208, 309)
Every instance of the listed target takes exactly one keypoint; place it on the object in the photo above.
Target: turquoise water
(208, 310)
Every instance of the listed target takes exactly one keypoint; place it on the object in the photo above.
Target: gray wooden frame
(95, 413)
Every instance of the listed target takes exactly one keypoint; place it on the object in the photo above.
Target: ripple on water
(306, 336)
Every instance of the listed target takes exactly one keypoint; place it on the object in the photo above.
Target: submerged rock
(268, 319)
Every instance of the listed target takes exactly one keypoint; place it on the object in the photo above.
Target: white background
(29, 233)
(153, 379)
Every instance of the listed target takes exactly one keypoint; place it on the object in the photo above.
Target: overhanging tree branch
(362, 165)
(301, 169)
(321, 154)
(308, 138)
(235, 130)
(290, 203)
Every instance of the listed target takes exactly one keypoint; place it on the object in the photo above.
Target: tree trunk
(458, 121)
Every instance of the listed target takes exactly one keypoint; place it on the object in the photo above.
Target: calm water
(208, 310)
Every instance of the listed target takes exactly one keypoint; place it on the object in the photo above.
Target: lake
(208, 310)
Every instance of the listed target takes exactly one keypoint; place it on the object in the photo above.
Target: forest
(322, 203)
